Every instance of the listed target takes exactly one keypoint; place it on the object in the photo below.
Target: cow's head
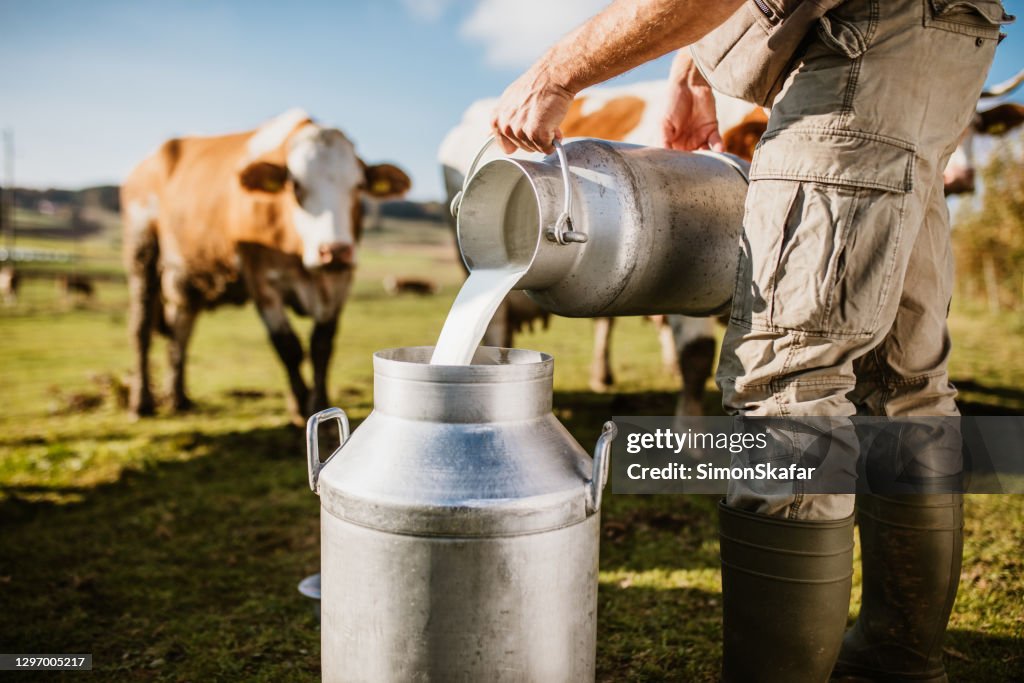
(321, 178)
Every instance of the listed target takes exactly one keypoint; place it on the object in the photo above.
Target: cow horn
(1006, 87)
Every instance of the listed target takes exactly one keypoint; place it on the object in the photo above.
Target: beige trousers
(846, 272)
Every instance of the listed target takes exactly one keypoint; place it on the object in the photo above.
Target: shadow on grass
(666, 532)
(1008, 393)
(185, 570)
(974, 656)
(646, 634)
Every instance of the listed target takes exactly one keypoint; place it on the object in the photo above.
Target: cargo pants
(846, 271)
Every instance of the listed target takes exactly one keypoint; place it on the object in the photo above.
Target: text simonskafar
(706, 472)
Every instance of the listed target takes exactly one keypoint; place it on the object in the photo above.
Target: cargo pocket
(978, 18)
(842, 36)
(823, 235)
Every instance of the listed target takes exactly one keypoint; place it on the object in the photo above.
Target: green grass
(170, 548)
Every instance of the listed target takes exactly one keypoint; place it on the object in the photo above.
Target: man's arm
(624, 35)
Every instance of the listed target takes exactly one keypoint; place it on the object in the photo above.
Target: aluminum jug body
(459, 528)
(609, 228)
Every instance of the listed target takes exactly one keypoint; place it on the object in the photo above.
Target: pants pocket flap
(842, 36)
(836, 157)
(991, 10)
(977, 18)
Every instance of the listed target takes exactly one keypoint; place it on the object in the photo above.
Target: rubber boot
(785, 596)
(911, 551)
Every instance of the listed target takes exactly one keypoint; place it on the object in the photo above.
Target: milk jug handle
(599, 475)
(562, 232)
(313, 443)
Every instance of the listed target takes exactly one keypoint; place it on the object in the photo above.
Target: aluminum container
(609, 228)
(459, 527)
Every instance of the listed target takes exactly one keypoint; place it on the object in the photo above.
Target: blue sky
(91, 87)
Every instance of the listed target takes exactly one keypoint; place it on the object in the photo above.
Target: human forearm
(684, 71)
(627, 34)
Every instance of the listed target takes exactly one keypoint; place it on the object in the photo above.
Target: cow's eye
(300, 191)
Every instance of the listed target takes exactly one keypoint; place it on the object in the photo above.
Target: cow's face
(322, 179)
(325, 176)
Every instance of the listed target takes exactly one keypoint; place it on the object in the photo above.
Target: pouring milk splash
(480, 296)
(505, 240)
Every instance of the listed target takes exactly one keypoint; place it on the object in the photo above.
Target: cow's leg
(696, 361)
(144, 303)
(321, 347)
(289, 350)
(667, 344)
(696, 344)
(601, 378)
(180, 318)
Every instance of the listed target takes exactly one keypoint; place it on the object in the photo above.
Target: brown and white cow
(271, 215)
(633, 113)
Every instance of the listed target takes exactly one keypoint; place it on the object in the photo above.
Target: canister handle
(562, 232)
(599, 475)
(313, 445)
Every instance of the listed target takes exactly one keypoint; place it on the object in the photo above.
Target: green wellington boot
(785, 596)
(911, 550)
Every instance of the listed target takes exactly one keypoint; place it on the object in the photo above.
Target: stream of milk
(479, 298)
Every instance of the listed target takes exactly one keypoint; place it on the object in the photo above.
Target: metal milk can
(608, 228)
(459, 527)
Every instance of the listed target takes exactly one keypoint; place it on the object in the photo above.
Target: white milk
(495, 274)
(479, 298)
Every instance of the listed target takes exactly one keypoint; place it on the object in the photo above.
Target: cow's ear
(1000, 120)
(263, 176)
(385, 180)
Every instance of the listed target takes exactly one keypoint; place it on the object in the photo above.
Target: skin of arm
(624, 35)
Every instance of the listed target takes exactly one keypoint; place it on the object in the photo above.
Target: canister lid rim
(491, 364)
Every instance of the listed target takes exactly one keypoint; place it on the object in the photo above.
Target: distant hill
(106, 197)
(420, 211)
(100, 197)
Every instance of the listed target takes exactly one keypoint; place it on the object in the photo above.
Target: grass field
(171, 548)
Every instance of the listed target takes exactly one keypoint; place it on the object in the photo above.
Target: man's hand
(690, 120)
(624, 35)
(529, 113)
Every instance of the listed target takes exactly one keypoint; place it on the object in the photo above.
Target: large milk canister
(459, 527)
(608, 228)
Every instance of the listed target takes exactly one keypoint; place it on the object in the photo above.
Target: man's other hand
(691, 121)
